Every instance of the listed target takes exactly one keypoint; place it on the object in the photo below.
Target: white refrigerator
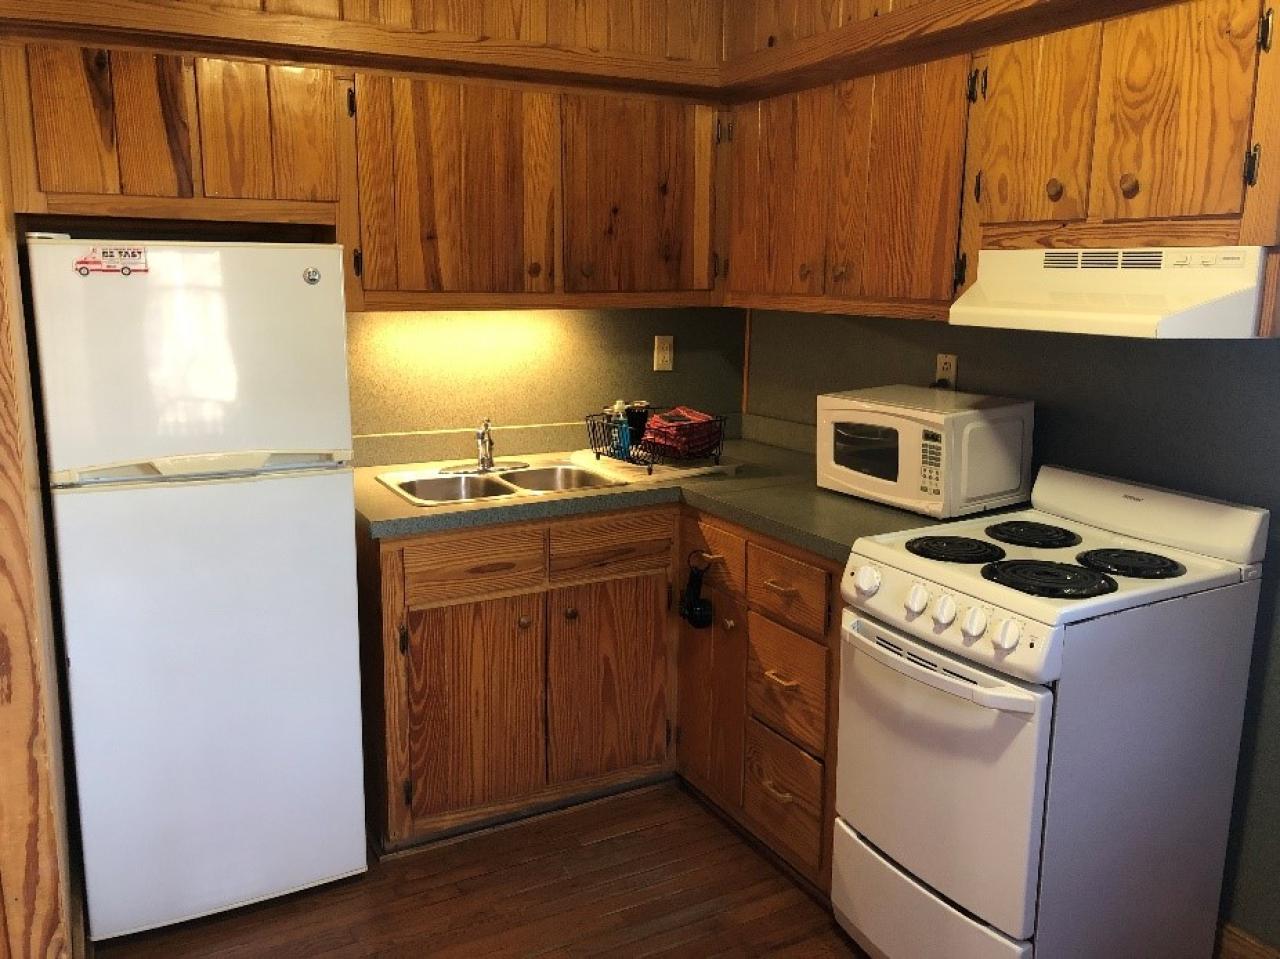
(199, 440)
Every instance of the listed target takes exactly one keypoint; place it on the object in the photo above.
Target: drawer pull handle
(711, 557)
(781, 589)
(729, 625)
(781, 795)
(774, 677)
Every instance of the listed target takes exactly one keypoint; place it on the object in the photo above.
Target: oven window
(871, 450)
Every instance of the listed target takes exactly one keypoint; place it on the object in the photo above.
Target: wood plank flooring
(648, 873)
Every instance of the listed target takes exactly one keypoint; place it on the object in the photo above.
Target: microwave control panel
(931, 464)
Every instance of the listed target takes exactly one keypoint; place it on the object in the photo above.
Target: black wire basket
(701, 439)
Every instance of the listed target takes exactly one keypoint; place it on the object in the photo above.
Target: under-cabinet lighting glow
(487, 341)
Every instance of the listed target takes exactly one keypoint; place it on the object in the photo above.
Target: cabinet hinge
(670, 596)
(977, 187)
(357, 261)
(408, 792)
(668, 734)
(720, 130)
(678, 734)
(1252, 164)
(1267, 30)
(957, 280)
(715, 264)
(351, 101)
(404, 640)
(977, 85)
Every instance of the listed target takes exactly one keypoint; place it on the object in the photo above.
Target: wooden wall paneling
(636, 27)
(395, 684)
(235, 129)
(606, 677)
(19, 130)
(1040, 118)
(780, 23)
(153, 95)
(913, 221)
(391, 13)
(524, 20)
(540, 170)
(375, 161)
(694, 30)
(325, 9)
(1260, 224)
(35, 912)
(476, 703)
(739, 31)
(1175, 105)
(852, 186)
(74, 116)
(303, 135)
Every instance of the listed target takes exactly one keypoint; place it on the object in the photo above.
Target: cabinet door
(771, 24)
(782, 171)
(899, 157)
(1038, 127)
(476, 703)
(606, 677)
(712, 701)
(642, 220)
(457, 185)
(1176, 102)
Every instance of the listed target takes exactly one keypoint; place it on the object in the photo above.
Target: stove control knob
(944, 613)
(917, 599)
(867, 580)
(975, 624)
(1008, 635)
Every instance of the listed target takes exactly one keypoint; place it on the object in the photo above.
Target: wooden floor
(649, 873)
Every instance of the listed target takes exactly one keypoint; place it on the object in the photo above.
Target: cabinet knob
(730, 625)
(571, 613)
(588, 270)
(1129, 186)
(524, 622)
(535, 269)
(840, 273)
(805, 271)
(1055, 190)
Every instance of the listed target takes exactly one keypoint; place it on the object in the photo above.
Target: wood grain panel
(395, 691)
(747, 271)
(912, 220)
(775, 24)
(787, 683)
(325, 9)
(1175, 106)
(725, 554)
(694, 30)
(611, 545)
(854, 186)
(376, 169)
(304, 146)
(235, 129)
(476, 703)
(783, 796)
(450, 567)
(617, 26)
(153, 96)
(1039, 121)
(1206, 231)
(728, 700)
(515, 20)
(73, 111)
(606, 677)
(391, 13)
(791, 591)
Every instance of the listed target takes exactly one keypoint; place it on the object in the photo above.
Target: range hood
(1171, 292)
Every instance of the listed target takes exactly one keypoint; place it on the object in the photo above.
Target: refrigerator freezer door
(214, 681)
(199, 350)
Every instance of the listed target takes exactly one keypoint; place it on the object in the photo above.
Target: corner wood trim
(1235, 943)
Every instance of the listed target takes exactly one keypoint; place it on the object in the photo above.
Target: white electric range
(1040, 717)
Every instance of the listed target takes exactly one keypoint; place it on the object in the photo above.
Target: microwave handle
(1008, 699)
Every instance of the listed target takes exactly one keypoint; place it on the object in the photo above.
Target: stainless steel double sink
(434, 488)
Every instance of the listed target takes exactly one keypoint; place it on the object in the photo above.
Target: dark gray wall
(1199, 417)
(421, 382)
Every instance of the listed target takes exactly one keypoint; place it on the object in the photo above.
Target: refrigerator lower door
(214, 682)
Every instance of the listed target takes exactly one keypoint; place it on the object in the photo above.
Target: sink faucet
(484, 446)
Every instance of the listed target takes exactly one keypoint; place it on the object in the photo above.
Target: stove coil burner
(1050, 580)
(1132, 563)
(1034, 535)
(955, 549)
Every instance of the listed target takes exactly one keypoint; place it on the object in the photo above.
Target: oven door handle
(1006, 699)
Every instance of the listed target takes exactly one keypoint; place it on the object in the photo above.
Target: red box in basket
(683, 432)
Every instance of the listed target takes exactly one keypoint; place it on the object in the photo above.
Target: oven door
(942, 768)
(876, 456)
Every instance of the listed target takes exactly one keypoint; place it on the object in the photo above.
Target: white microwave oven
(933, 451)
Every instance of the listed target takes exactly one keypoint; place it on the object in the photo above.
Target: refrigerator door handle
(214, 464)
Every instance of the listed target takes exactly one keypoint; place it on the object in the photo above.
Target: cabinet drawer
(725, 553)
(621, 543)
(790, 591)
(474, 564)
(783, 796)
(787, 682)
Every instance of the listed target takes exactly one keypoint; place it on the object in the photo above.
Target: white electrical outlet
(947, 366)
(664, 354)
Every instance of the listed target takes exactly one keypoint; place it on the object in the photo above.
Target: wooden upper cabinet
(606, 678)
(476, 712)
(638, 175)
(1176, 101)
(754, 25)
(303, 133)
(457, 185)
(782, 181)
(1038, 125)
(653, 29)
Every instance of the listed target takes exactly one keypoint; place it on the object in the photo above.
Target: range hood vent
(1174, 292)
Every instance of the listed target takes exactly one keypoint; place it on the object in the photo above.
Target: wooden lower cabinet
(477, 717)
(784, 796)
(606, 677)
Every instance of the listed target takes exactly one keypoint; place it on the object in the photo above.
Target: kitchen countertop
(773, 492)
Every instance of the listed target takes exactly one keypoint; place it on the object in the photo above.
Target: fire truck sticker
(124, 260)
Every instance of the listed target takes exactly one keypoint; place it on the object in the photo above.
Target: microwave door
(868, 449)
